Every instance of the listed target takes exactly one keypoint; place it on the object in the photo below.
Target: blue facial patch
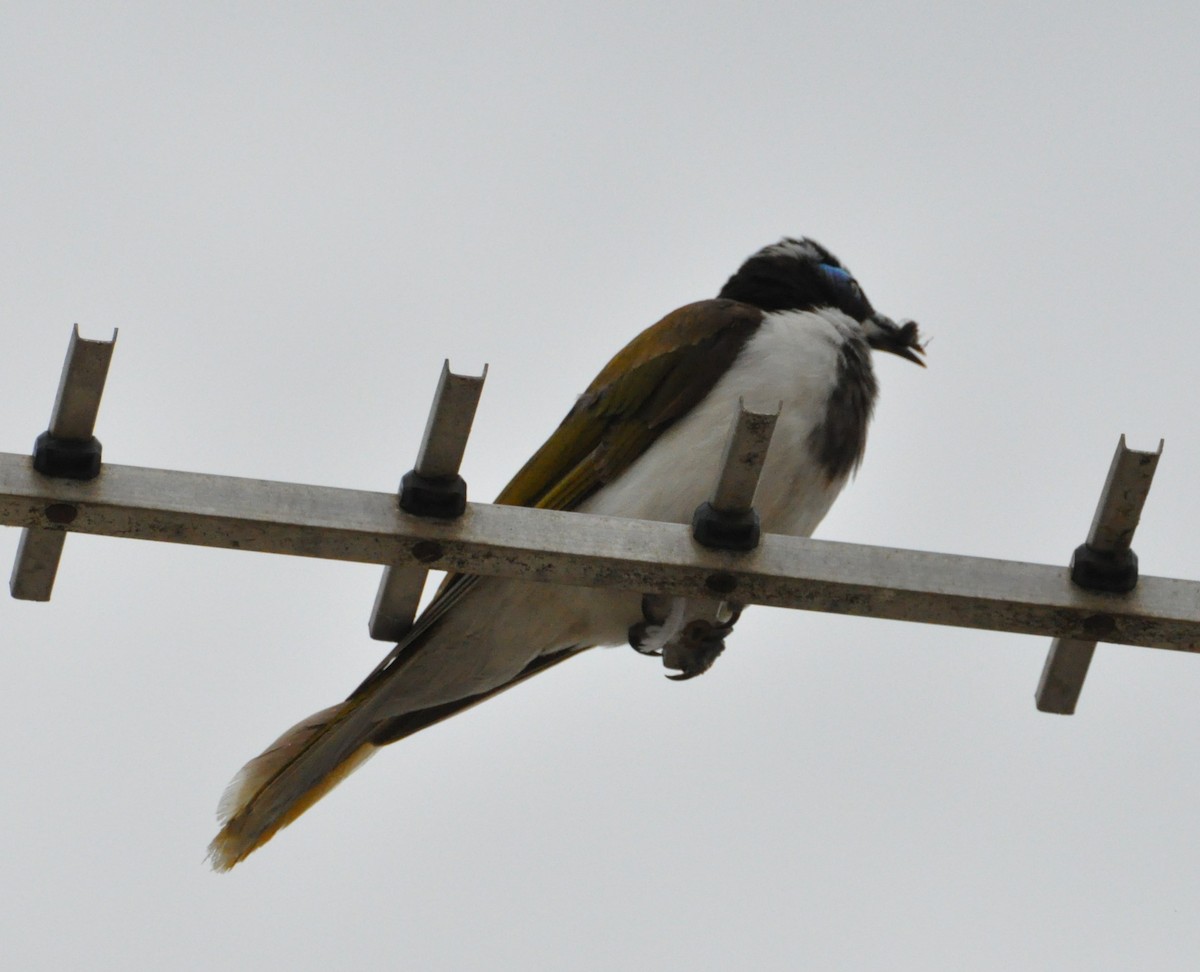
(836, 274)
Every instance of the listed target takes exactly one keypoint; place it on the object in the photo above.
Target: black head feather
(797, 274)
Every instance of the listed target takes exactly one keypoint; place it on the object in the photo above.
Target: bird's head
(800, 274)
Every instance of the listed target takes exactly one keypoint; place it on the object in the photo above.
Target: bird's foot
(689, 635)
(694, 653)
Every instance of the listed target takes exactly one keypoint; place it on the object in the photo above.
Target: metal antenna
(63, 488)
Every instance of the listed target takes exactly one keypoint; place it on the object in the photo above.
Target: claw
(694, 653)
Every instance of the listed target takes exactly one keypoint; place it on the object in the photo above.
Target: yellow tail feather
(275, 788)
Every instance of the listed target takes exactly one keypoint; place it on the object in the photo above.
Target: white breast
(791, 359)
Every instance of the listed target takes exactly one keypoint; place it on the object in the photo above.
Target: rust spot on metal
(721, 583)
(61, 513)
(1099, 625)
(427, 551)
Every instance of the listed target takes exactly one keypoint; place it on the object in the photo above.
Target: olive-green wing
(658, 377)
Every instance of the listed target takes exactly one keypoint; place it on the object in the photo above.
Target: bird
(644, 440)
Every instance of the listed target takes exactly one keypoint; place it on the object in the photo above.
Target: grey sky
(294, 212)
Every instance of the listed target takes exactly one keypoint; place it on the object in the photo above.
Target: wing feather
(658, 377)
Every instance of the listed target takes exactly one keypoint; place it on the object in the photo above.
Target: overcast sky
(295, 212)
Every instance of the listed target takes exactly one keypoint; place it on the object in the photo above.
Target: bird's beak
(884, 334)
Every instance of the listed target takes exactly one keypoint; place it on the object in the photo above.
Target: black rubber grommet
(725, 531)
(67, 458)
(1115, 573)
(443, 497)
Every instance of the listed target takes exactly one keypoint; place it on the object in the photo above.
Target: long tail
(312, 757)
